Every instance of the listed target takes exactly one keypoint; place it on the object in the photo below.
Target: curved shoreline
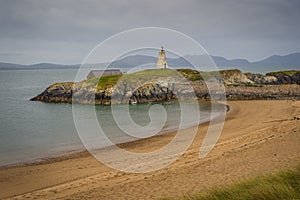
(258, 137)
(76, 153)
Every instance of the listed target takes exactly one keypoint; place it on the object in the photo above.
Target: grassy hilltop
(141, 76)
(229, 77)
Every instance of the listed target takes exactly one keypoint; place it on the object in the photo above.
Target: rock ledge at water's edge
(155, 88)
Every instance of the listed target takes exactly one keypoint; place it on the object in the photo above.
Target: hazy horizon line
(252, 61)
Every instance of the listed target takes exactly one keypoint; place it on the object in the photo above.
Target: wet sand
(259, 137)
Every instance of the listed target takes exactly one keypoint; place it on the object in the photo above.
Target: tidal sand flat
(259, 137)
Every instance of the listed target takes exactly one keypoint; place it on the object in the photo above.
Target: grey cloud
(225, 27)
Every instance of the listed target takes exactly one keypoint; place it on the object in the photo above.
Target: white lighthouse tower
(162, 59)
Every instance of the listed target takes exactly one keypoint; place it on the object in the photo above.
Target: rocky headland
(163, 85)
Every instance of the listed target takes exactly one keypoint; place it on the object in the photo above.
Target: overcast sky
(61, 31)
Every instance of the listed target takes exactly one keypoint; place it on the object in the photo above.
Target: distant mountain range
(272, 63)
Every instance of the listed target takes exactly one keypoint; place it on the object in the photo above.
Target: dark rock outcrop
(275, 85)
(69, 92)
(276, 78)
(56, 93)
(286, 77)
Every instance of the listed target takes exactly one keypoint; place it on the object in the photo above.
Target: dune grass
(282, 185)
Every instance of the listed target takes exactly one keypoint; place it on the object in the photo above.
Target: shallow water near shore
(36, 130)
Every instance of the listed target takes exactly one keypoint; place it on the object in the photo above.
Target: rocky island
(158, 85)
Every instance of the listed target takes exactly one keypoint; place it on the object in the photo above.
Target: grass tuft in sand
(282, 185)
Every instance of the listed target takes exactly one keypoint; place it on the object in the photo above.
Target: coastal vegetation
(229, 77)
(286, 73)
(278, 186)
(155, 85)
(140, 76)
(104, 81)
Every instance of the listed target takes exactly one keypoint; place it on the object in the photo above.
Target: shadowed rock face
(276, 78)
(56, 93)
(62, 93)
(291, 77)
(275, 85)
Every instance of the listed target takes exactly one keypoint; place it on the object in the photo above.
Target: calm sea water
(35, 130)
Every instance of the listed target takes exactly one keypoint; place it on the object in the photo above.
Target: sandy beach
(259, 137)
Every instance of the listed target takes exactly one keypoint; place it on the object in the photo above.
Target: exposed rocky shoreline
(238, 86)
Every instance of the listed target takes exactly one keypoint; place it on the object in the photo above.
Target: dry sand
(259, 137)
